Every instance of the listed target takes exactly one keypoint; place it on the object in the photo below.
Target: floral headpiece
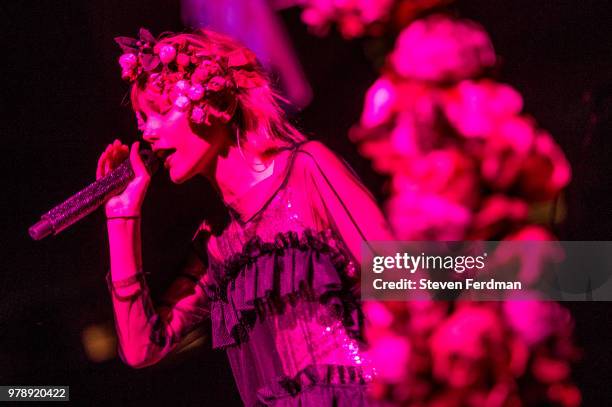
(196, 79)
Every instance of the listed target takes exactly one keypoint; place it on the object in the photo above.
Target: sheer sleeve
(338, 195)
(148, 333)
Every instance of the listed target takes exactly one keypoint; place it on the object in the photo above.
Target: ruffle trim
(266, 277)
(350, 381)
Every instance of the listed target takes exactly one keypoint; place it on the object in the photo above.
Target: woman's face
(184, 153)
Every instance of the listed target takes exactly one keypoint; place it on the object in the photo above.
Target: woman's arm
(145, 333)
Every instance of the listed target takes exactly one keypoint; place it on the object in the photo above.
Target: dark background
(62, 103)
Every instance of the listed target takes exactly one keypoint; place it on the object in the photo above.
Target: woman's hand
(129, 202)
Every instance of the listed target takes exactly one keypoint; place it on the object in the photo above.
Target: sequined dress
(281, 291)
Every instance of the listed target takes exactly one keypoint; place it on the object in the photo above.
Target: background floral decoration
(464, 162)
(355, 18)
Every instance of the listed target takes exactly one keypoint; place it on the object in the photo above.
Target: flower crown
(196, 79)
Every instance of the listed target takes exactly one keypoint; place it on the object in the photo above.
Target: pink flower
(182, 86)
(438, 48)
(316, 20)
(199, 75)
(195, 92)
(536, 321)
(506, 151)
(384, 158)
(565, 394)
(373, 10)
(410, 106)
(475, 108)
(216, 84)
(545, 171)
(128, 75)
(536, 254)
(415, 215)
(173, 77)
(205, 70)
(128, 61)
(426, 315)
(405, 137)
(182, 102)
(182, 59)
(177, 90)
(167, 54)
(448, 173)
(378, 314)
(497, 215)
(197, 114)
(390, 355)
(549, 370)
(463, 343)
(353, 17)
(351, 25)
(532, 233)
(379, 102)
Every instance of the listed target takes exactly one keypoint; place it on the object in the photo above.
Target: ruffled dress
(281, 290)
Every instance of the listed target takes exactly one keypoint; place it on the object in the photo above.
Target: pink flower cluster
(189, 77)
(355, 18)
(464, 161)
(430, 353)
(440, 49)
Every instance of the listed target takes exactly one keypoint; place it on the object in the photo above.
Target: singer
(280, 279)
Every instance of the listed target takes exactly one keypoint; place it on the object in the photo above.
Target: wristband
(113, 286)
(123, 217)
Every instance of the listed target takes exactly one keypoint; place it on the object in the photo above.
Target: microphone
(90, 198)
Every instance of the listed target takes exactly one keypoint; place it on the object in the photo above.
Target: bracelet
(123, 217)
(113, 286)
(128, 281)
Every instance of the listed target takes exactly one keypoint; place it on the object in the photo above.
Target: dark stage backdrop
(62, 103)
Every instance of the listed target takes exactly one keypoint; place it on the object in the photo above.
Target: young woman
(280, 279)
